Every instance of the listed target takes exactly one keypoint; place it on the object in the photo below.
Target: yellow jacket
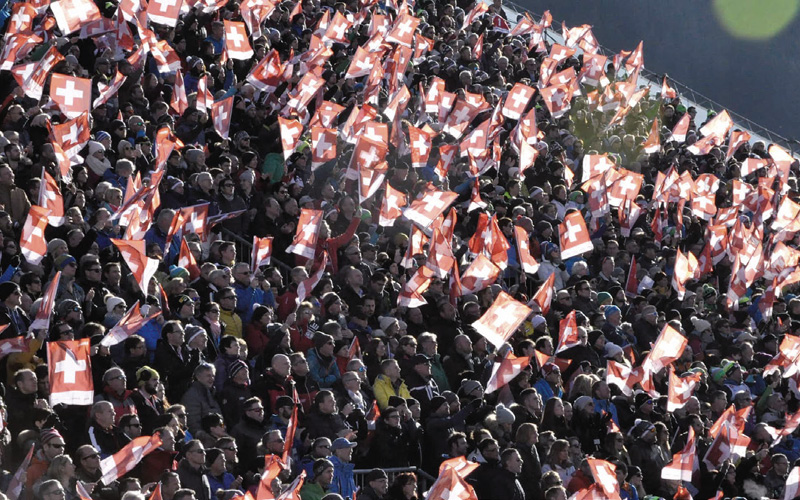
(233, 323)
(384, 389)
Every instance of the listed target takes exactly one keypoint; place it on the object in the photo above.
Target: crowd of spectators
(216, 374)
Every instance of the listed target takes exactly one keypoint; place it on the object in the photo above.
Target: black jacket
(389, 446)
(176, 371)
(194, 479)
(503, 485)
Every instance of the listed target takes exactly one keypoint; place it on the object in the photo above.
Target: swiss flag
(72, 135)
(362, 63)
(479, 275)
(337, 29)
(272, 468)
(32, 243)
(505, 371)
(72, 94)
(326, 115)
(108, 91)
(33, 83)
(421, 143)
(681, 128)
(398, 102)
(411, 294)
(526, 260)
(237, 44)
(70, 372)
(680, 389)
(416, 246)
(195, 219)
(632, 283)
(72, 14)
(738, 137)
(461, 465)
(625, 187)
(669, 346)
(685, 267)
(429, 207)
(304, 289)
(22, 16)
(291, 428)
(268, 73)
(323, 145)
(502, 319)
(557, 99)
(475, 201)
(517, 100)
(125, 460)
(544, 296)
(574, 236)
(135, 256)
(305, 90)
(291, 130)
(683, 463)
(440, 256)
(42, 320)
(667, 92)
(179, 102)
(17, 480)
(12, 345)
(262, 251)
(221, 114)
(619, 374)
(132, 322)
(719, 451)
(605, 476)
(305, 239)
(164, 12)
(51, 199)
(403, 30)
(187, 261)
(567, 332)
(392, 206)
(653, 142)
(451, 486)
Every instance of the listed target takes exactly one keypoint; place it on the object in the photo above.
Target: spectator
(199, 398)
(321, 482)
(192, 471)
(343, 482)
(377, 485)
(389, 383)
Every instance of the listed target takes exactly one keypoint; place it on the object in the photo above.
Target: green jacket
(312, 491)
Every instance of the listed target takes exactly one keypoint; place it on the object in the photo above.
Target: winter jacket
(344, 482)
(248, 433)
(194, 479)
(325, 373)
(384, 389)
(199, 401)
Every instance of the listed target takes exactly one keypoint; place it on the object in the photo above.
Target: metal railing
(686, 93)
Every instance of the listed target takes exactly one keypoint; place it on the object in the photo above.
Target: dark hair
(210, 420)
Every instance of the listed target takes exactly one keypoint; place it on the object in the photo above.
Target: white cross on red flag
(72, 14)
(237, 44)
(12, 345)
(517, 100)
(605, 477)
(680, 389)
(72, 94)
(479, 275)
(262, 252)
(423, 211)
(574, 236)
(544, 296)
(135, 256)
(32, 243)
(304, 289)
(451, 486)
(502, 319)
(51, 199)
(72, 135)
(291, 130)
(164, 12)
(392, 206)
(187, 261)
(123, 461)
(42, 320)
(323, 145)
(221, 114)
(305, 239)
(685, 266)
(526, 260)
(130, 323)
(682, 466)
(669, 346)
(505, 371)
(70, 372)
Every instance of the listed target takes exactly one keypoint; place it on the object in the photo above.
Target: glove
(16, 261)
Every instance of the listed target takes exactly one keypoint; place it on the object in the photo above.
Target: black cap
(376, 474)
(283, 401)
(419, 359)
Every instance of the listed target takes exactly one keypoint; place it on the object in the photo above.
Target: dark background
(683, 38)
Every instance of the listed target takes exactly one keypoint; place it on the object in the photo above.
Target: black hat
(396, 401)
(375, 475)
(283, 401)
(6, 289)
(419, 359)
(436, 402)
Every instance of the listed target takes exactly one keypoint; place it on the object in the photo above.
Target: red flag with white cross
(72, 14)
(164, 12)
(123, 461)
(221, 112)
(72, 94)
(70, 372)
(135, 256)
(432, 204)
(574, 236)
(505, 371)
(305, 239)
(392, 206)
(502, 319)
(517, 100)
(32, 243)
(237, 44)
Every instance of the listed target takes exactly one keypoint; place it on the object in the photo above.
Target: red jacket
(332, 246)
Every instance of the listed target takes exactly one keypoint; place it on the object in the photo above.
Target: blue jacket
(151, 331)
(344, 482)
(604, 405)
(247, 298)
(544, 390)
(323, 374)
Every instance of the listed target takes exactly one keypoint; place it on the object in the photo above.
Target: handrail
(686, 93)
(249, 245)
